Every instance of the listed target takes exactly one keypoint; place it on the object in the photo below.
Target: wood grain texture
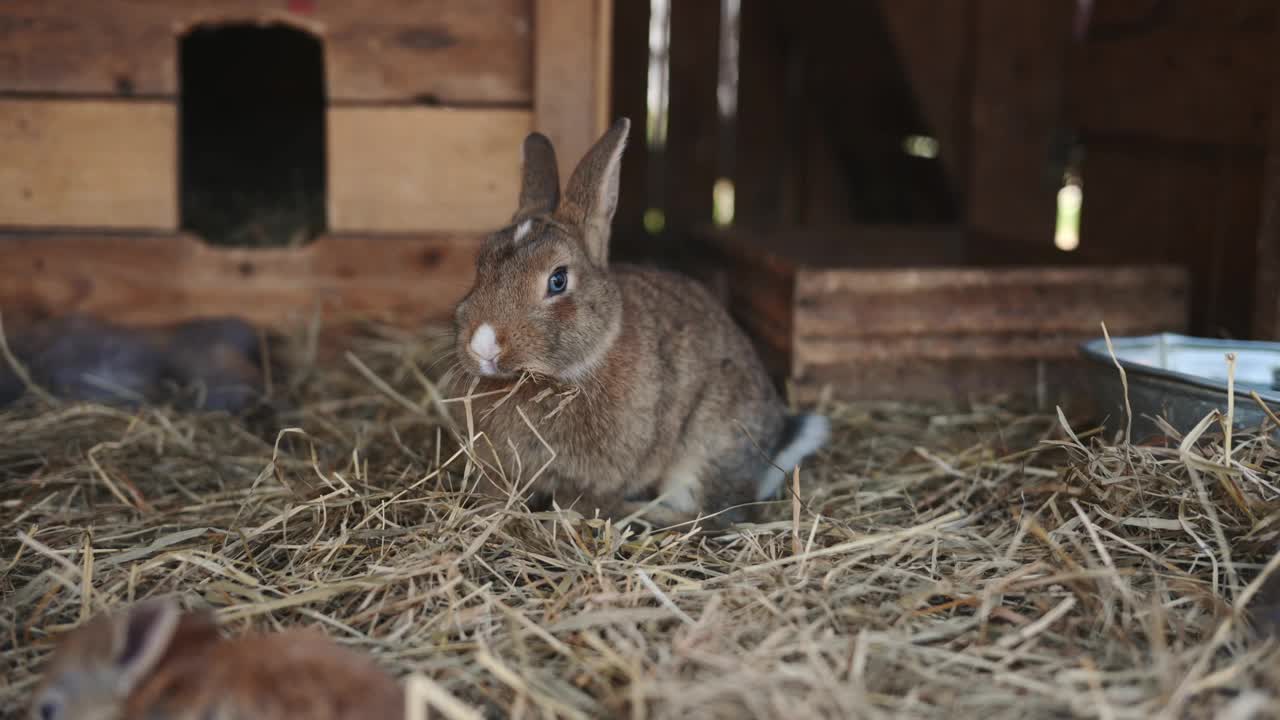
(1017, 108)
(847, 246)
(1266, 306)
(758, 289)
(979, 302)
(934, 44)
(572, 45)
(418, 169)
(765, 165)
(905, 313)
(856, 107)
(1191, 205)
(629, 82)
(159, 279)
(690, 156)
(74, 163)
(1181, 71)
(1048, 383)
(452, 51)
(908, 335)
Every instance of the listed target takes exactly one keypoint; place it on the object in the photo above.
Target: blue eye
(558, 282)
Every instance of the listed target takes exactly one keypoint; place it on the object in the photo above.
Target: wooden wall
(1167, 106)
(1172, 103)
(88, 105)
(427, 106)
(1266, 310)
(445, 50)
(1166, 102)
(88, 163)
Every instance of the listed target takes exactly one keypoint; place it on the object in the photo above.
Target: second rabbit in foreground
(153, 661)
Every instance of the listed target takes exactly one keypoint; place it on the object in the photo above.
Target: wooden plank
(1193, 71)
(72, 163)
(934, 43)
(947, 303)
(629, 86)
(691, 152)
(952, 334)
(880, 327)
(1266, 307)
(602, 97)
(765, 159)
(451, 51)
(758, 289)
(853, 164)
(572, 48)
(1019, 80)
(417, 169)
(157, 279)
(761, 301)
(847, 245)
(1192, 205)
(1050, 382)
(1031, 345)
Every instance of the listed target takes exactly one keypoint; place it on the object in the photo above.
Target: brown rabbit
(154, 662)
(643, 385)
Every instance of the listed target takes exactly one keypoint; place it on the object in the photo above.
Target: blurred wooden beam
(629, 90)
(1019, 83)
(693, 123)
(1177, 71)
(1194, 205)
(1266, 310)
(934, 40)
(572, 49)
(163, 278)
(767, 89)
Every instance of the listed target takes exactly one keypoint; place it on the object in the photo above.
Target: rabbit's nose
(484, 343)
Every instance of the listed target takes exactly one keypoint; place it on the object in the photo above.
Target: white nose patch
(484, 345)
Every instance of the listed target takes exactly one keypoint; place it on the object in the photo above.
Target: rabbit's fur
(209, 364)
(154, 662)
(647, 391)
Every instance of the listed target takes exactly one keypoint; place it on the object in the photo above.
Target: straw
(936, 562)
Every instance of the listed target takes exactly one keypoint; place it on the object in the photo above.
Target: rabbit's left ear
(591, 196)
(539, 178)
(142, 635)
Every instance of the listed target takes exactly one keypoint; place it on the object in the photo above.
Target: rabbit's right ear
(539, 178)
(591, 194)
(142, 635)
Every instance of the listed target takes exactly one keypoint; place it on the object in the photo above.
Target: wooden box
(425, 105)
(900, 313)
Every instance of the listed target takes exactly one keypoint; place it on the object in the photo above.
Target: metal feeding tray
(1182, 379)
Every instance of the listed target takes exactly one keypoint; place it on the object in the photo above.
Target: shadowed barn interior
(234, 234)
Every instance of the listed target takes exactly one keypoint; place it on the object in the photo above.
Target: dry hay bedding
(940, 564)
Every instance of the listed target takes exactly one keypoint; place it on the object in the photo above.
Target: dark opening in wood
(252, 135)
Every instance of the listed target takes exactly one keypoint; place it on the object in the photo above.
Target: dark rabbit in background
(210, 364)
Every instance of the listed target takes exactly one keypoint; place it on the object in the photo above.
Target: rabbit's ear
(591, 197)
(142, 635)
(539, 178)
